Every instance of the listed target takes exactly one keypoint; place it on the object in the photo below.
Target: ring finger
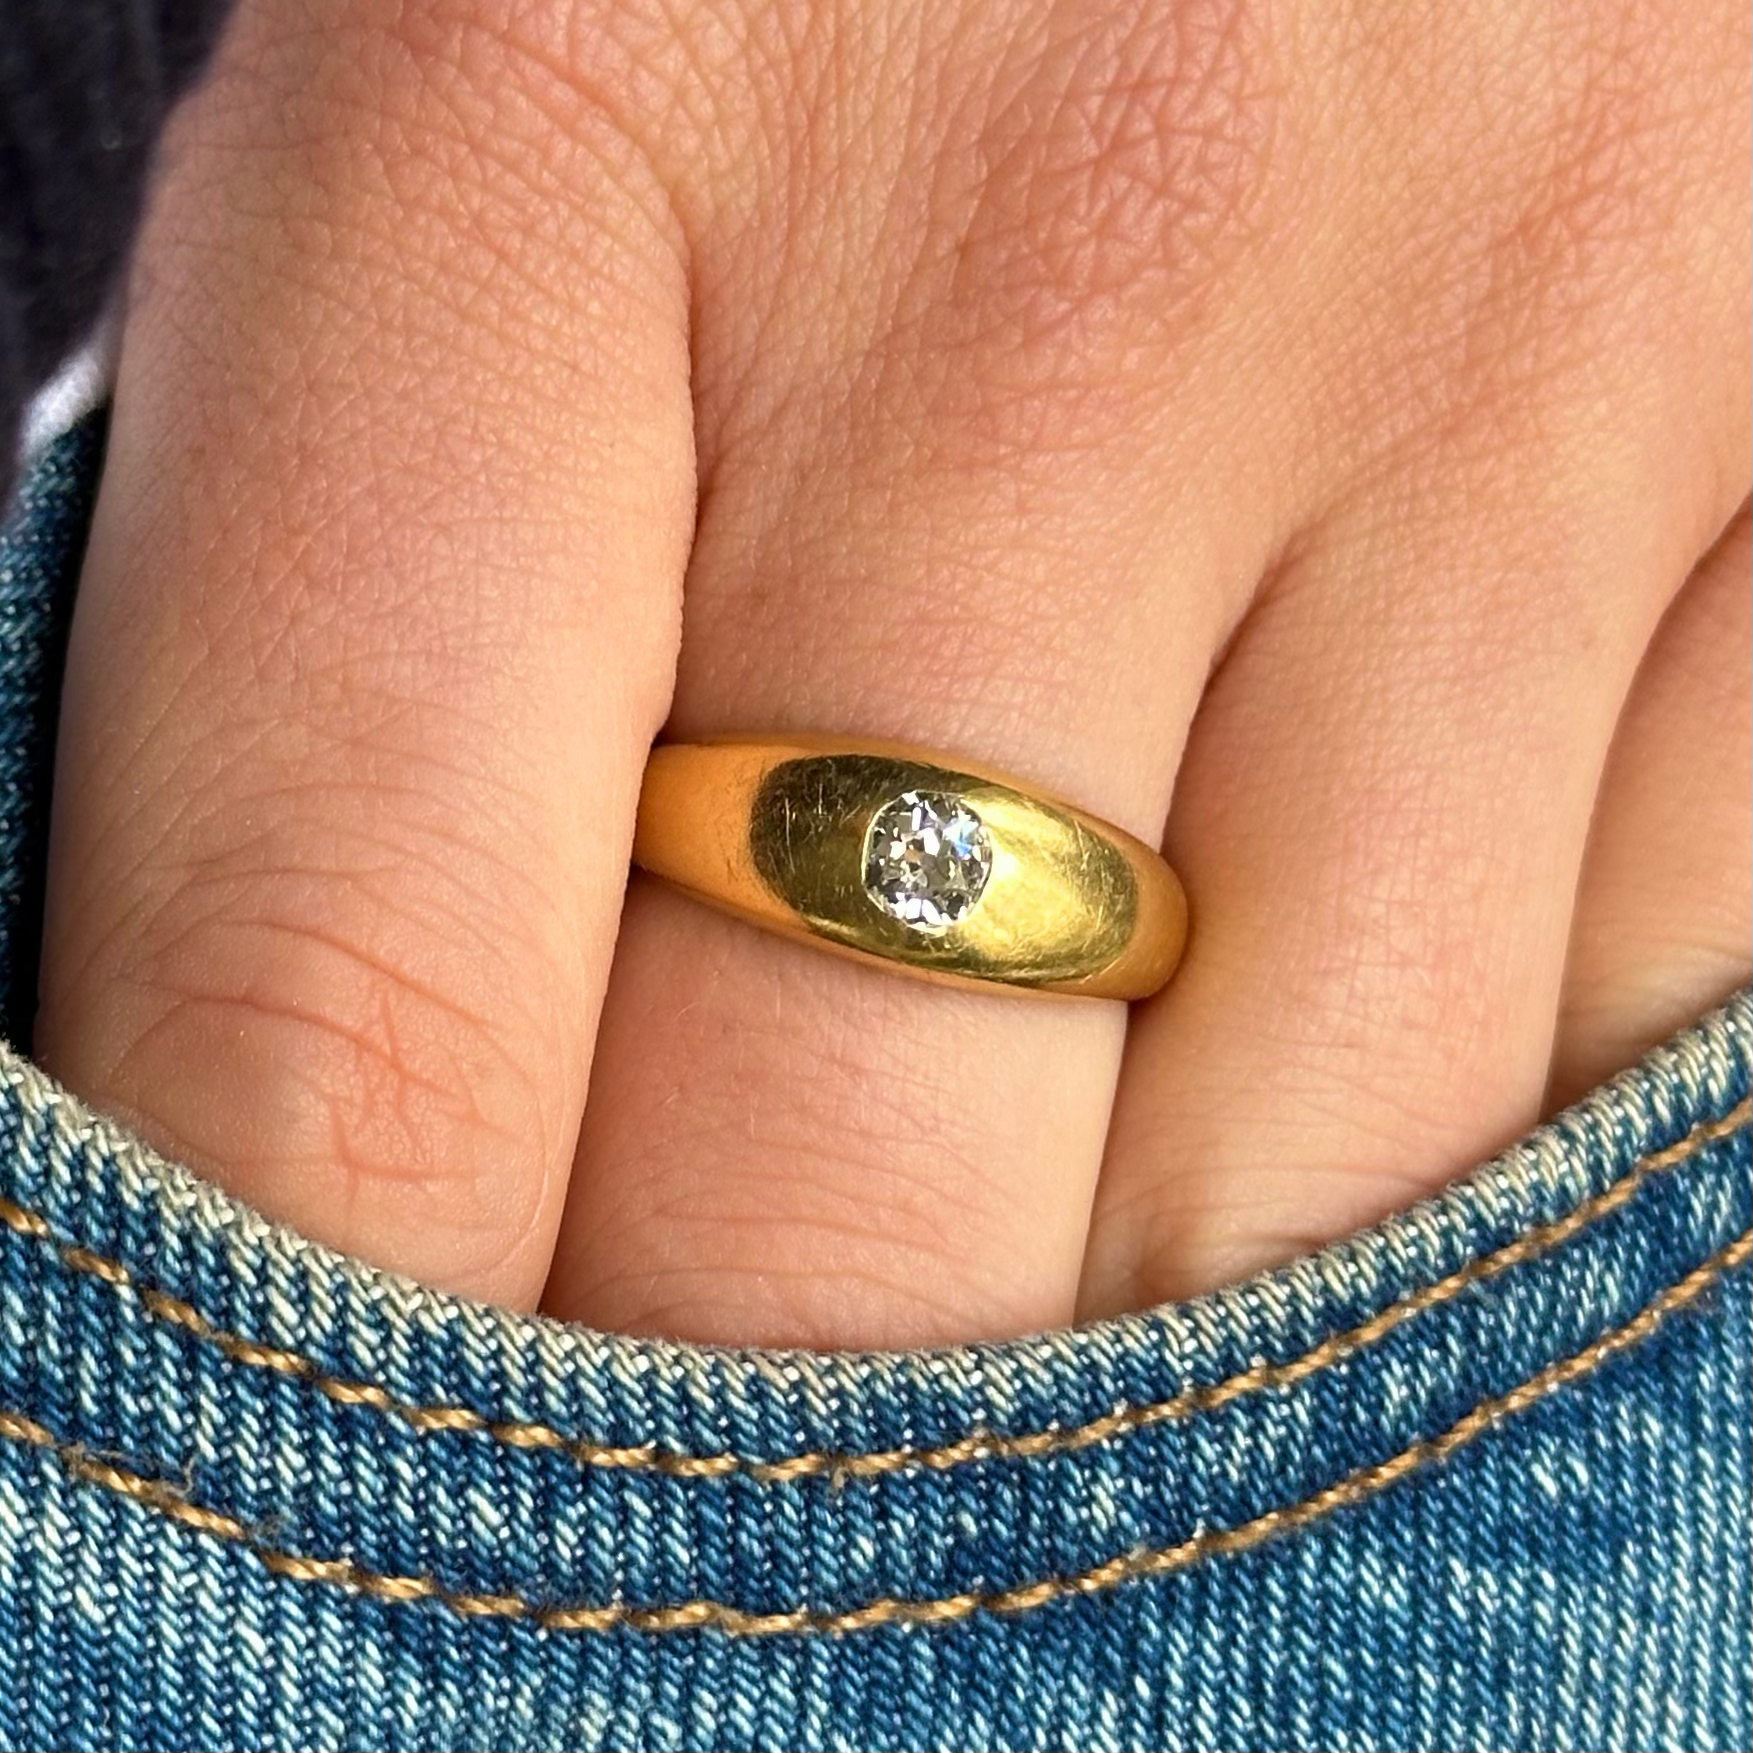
(919, 531)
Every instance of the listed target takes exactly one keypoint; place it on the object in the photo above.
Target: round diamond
(926, 859)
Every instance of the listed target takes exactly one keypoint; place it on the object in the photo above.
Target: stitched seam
(1356, 1488)
(977, 1446)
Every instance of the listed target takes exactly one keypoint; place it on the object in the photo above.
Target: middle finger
(945, 507)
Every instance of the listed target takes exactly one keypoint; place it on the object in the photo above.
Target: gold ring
(923, 863)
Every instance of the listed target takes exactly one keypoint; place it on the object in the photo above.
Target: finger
(1383, 808)
(1665, 911)
(1384, 895)
(1381, 818)
(916, 528)
(376, 625)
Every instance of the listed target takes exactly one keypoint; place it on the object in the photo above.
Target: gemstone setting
(927, 858)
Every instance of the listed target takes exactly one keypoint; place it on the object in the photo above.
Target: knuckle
(1582, 192)
(316, 1041)
(1120, 172)
(461, 133)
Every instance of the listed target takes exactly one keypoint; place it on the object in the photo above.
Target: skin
(1312, 436)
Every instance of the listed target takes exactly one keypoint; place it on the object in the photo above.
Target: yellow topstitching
(1355, 1488)
(978, 1445)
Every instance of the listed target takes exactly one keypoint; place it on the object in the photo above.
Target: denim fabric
(1478, 1477)
(40, 545)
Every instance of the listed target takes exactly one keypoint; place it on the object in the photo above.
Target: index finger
(377, 624)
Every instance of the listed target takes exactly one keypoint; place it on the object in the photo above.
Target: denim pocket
(1476, 1477)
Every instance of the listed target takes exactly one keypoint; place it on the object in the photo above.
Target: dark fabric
(42, 537)
(85, 86)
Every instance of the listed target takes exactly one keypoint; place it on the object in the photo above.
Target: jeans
(1478, 1477)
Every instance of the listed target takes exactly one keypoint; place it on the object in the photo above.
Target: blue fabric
(1476, 1478)
(40, 547)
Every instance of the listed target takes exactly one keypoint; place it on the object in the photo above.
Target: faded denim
(1478, 1477)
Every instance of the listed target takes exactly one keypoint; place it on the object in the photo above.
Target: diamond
(926, 859)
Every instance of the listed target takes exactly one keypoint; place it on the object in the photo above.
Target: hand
(1315, 414)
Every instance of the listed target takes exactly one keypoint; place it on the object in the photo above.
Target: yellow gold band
(929, 865)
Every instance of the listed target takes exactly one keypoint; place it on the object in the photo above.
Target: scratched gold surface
(1061, 903)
